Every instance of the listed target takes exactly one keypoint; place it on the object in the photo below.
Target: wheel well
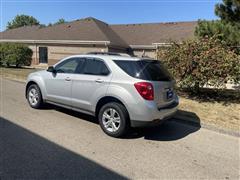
(28, 85)
(104, 101)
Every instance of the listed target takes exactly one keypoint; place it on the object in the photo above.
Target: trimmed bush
(14, 54)
(201, 62)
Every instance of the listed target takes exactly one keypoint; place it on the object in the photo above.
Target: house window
(43, 55)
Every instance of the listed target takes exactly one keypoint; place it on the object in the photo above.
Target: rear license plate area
(169, 94)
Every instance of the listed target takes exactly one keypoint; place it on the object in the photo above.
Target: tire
(34, 96)
(121, 124)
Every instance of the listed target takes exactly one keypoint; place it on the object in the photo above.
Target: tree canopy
(61, 21)
(22, 20)
(228, 11)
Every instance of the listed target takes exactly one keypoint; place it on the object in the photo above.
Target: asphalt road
(56, 144)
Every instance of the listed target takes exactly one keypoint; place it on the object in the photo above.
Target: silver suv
(121, 91)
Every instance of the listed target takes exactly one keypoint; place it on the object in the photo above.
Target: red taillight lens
(145, 89)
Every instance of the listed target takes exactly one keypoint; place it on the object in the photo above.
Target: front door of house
(43, 55)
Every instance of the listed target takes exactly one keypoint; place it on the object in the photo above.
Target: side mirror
(52, 69)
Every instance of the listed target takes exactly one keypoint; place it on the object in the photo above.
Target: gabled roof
(149, 33)
(91, 29)
(88, 29)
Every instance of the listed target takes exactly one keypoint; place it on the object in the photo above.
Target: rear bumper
(155, 116)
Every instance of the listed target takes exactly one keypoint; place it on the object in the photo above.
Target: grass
(16, 73)
(221, 115)
(224, 116)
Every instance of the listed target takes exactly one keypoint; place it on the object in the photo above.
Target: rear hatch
(152, 71)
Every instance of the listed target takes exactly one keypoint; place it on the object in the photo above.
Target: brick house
(50, 44)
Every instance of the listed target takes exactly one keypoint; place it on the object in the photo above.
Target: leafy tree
(61, 21)
(200, 62)
(22, 20)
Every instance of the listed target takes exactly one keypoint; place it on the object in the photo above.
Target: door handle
(99, 81)
(67, 79)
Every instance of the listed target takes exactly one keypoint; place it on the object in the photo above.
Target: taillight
(145, 89)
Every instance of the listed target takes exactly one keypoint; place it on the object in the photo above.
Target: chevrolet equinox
(121, 91)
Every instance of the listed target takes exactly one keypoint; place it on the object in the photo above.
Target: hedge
(201, 62)
(15, 54)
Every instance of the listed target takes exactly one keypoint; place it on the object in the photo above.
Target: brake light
(145, 89)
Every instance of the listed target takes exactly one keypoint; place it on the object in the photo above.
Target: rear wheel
(113, 119)
(34, 96)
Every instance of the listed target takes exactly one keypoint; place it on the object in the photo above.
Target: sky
(110, 11)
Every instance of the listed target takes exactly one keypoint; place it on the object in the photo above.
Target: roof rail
(109, 53)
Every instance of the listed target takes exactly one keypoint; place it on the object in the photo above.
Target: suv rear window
(151, 70)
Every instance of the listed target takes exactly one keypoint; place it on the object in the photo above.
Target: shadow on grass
(188, 117)
(168, 131)
(223, 96)
(26, 155)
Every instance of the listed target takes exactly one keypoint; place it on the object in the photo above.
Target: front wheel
(113, 119)
(34, 96)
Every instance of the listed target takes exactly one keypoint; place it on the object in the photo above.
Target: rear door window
(151, 70)
(95, 67)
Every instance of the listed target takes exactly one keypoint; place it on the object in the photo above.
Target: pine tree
(229, 11)
(22, 20)
(227, 29)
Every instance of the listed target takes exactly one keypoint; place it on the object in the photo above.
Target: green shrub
(201, 62)
(15, 54)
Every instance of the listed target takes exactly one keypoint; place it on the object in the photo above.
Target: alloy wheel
(111, 120)
(33, 96)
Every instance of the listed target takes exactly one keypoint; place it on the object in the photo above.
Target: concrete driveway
(57, 144)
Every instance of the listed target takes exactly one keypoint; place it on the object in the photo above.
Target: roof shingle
(149, 33)
(91, 29)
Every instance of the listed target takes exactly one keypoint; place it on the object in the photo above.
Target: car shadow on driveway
(26, 155)
(181, 125)
(170, 130)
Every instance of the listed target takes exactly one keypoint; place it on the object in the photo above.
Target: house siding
(58, 52)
